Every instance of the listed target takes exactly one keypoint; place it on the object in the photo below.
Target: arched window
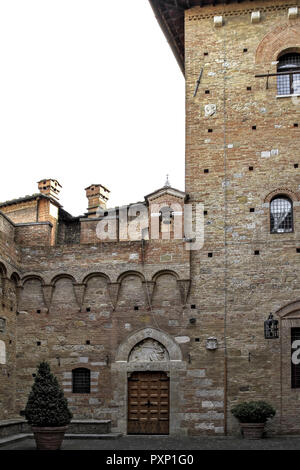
(281, 214)
(289, 84)
(81, 380)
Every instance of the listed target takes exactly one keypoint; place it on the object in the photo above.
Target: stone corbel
(79, 290)
(184, 288)
(19, 290)
(9, 294)
(6, 282)
(148, 287)
(47, 294)
(114, 289)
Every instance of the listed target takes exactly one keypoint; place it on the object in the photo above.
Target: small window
(281, 214)
(81, 380)
(288, 84)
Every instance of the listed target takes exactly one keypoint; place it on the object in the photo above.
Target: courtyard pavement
(166, 443)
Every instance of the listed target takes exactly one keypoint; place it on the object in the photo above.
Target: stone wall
(238, 153)
(9, 279)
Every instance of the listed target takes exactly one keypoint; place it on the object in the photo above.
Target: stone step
(111, 435)
(10, 427)
(13, 438)
(89, 426)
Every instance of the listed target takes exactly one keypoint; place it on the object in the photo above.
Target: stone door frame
(289, 317)
(122, 369)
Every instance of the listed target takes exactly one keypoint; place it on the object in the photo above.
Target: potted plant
(252, 416)
(47, 410)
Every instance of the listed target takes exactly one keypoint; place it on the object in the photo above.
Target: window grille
(281, 215)
(295, 368)
(289, 84)
(81, 380)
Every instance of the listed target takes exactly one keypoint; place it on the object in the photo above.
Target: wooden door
(148, 403)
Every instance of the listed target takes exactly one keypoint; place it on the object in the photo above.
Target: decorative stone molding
(218, 21)
(113, 289)
(148, 350)
(47, 294)
(290, 310)
(292, 13)
(255, 17)
(79, 290)
(148, 287)
(18, 294)
(239, 12)
(2, 352)
(210, 109)
(184, 288)
(169, 344)
(282, 38)
(291, 194)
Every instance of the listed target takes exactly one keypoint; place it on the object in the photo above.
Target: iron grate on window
(288, 84)
(81, 380)
(281, 215)
(295, 368)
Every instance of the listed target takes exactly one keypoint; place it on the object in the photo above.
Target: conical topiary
(46, 405)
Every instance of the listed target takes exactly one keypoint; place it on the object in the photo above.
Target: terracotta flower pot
(252, 430)
(49, 438)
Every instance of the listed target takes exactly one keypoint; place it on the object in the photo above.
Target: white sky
(90, 92)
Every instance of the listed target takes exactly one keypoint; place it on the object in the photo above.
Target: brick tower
(240, 61)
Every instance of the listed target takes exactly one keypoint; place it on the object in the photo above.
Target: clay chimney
(49, 187)
(97, 197)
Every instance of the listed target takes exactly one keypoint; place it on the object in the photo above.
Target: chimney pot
(97, 196)
(49, 187)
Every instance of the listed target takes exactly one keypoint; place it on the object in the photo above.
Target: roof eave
(168, 34)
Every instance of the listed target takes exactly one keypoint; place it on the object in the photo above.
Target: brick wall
(235, 289)
(34, 234)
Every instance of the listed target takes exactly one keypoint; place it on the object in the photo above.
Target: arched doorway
(148, 392)
(146, 374)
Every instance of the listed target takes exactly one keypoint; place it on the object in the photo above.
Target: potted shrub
(47, 410)
(252, 416)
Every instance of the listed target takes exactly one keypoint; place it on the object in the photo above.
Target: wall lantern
(212, 343)
(271, 328)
